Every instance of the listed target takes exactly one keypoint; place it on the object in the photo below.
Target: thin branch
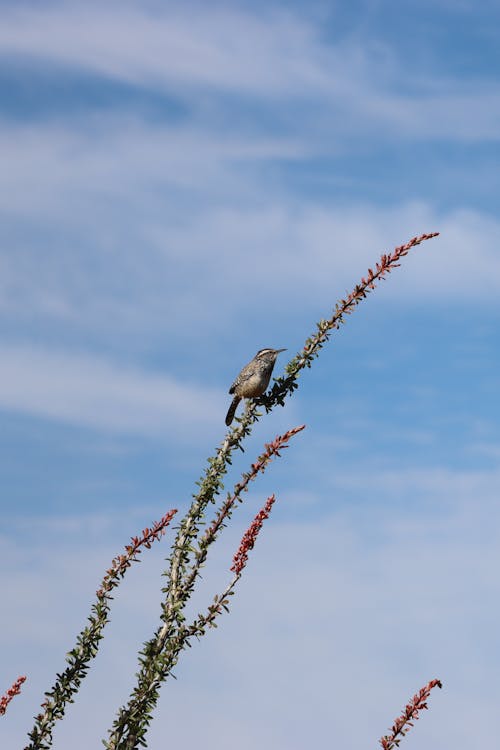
(160, 654)
(68, 682)
(403, 723)
(388, 262)
(223, 514)
(128, 735)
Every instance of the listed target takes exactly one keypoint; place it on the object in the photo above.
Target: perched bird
(253, 379)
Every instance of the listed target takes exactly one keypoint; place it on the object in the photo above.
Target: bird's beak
(280, 350)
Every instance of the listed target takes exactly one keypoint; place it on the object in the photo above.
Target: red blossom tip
(250, 536)
(410, 714)
(14, 690)
(122, 562)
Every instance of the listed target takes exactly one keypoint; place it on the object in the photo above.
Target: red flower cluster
(410, 714)
(11, 692)
(120, 563)
(346, 306)
(384, 266)
(249, 537)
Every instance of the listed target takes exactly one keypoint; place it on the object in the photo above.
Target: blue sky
(181, 185)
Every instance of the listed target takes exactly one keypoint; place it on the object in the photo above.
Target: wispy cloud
(47, 165)
(315, 252)
(116, 218)
(158, 47)
(266, 54)
(93, 392)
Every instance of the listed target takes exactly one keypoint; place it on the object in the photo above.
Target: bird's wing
(244, 375)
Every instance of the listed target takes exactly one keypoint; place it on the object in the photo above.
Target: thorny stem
(126, 737)
(156, 665)
(210, 486)
(211, 483)
(87, 643)
(225, 510)
(152, 671)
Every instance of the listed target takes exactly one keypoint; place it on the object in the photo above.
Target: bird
(253, 379)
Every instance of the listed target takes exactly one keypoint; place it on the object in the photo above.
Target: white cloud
(95, 392)
(228, 49)
(50, 166)
(325, 251)
(113, 221)
(268, 54)
(144, 261)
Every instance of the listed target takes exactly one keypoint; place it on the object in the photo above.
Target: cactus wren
(253, 379)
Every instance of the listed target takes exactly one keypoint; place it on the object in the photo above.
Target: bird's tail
(232, 409)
